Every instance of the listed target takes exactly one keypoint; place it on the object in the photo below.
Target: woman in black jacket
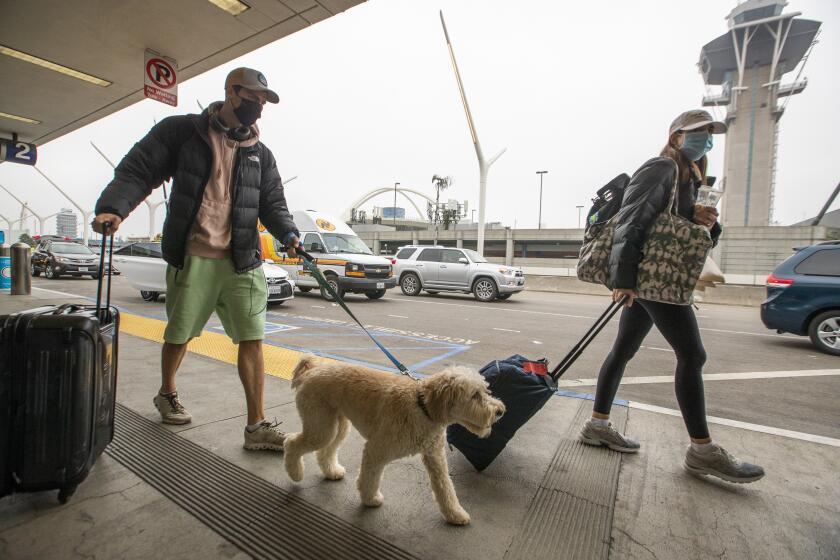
(646, 196)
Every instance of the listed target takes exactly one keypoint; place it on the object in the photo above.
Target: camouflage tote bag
(673, 256)
(594, 261)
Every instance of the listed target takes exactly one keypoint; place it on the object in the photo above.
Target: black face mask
(248, 111)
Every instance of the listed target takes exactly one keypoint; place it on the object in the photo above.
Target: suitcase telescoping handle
(102, 313)
(590, 335)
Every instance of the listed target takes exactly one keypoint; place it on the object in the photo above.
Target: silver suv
(434, 268)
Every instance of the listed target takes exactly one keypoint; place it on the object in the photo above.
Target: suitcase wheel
(65, 493)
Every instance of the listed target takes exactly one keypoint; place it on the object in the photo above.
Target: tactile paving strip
(261, 519)
(571, 515)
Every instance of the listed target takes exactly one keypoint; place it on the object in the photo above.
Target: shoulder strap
(672, 203)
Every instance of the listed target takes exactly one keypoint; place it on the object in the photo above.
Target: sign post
(160, 78)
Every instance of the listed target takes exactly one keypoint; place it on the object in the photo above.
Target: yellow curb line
(279, 362)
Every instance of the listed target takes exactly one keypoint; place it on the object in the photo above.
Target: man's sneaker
(593, 434)
(721, 464)
(170, 408)
(267, 436)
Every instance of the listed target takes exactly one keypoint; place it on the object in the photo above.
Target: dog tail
(304, 365)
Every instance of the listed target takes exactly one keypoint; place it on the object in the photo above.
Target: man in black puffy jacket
(224, 181)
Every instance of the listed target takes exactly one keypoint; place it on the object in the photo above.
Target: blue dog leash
(310, 265)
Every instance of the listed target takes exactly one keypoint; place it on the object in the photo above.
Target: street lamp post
(395, 206)
(579, 209)
(539, 218)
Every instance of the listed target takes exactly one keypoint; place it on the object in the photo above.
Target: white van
(344, 259)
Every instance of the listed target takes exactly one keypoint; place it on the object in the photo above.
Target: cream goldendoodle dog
(395, 414)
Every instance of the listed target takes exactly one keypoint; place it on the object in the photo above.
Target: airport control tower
(748, 62)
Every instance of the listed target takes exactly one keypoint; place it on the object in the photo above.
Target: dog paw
(334, 473)
(457, 517)
(375, 501)
(294, 469)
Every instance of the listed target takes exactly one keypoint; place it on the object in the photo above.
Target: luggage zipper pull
(68, 335)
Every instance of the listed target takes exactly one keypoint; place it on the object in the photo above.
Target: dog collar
(421, 402)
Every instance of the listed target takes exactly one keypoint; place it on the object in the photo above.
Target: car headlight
(62, 259)
(506, 271)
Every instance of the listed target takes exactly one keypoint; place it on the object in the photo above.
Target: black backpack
(607, 201)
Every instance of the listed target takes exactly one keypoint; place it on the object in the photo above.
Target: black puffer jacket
(645, 197)
(179, 147)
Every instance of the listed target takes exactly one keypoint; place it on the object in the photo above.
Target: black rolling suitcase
(524, 386)
(58, 377)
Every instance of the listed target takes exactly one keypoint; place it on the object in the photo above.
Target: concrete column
(459, 239)
(509, 247)
(376, 243)
(415, 238)
(749, 159)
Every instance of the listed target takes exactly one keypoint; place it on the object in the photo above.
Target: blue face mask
(696, 144)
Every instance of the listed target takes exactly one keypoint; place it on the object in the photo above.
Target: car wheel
(304, 289)
(375, 295)
(50, 273)
(825, 332)
(333, 282)
(410, 284)
(504, 296)
(34, 271)
(149, 296)
(485, 290)
(94, 276)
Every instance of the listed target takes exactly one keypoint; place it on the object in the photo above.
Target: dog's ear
(306, 363)
(442, 391)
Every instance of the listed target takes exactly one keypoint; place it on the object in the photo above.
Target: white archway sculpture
(383, 190)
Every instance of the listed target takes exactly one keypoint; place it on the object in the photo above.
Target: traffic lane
(307, 324)
(558, 331)
(535, 324)
(558, 321)
(801, 404)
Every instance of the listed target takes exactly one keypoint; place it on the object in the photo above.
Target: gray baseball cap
(692, 120)
(250, 79)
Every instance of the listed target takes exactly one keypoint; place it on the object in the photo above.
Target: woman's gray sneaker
(170, 408)
(593, 434)
(721, 464)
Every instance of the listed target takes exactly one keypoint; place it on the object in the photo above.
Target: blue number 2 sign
(18, 152)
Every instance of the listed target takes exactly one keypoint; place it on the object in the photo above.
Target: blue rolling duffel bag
(524, 386)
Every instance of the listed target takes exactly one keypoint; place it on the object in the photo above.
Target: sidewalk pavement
(546, 496)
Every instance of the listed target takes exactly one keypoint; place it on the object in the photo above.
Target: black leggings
(678, 325)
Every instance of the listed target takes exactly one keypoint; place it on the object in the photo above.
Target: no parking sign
(160, 78)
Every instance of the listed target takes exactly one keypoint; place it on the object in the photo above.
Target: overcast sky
(584, 90)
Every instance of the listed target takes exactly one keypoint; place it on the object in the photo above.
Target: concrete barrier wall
(750, 296)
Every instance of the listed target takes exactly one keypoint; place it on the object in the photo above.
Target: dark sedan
(64, 258)
(803, 296)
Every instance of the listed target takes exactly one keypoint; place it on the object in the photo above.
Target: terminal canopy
(68, 64)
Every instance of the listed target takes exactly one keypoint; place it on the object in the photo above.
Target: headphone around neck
(238, 134)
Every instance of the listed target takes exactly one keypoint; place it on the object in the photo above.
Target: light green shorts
(207, 285)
